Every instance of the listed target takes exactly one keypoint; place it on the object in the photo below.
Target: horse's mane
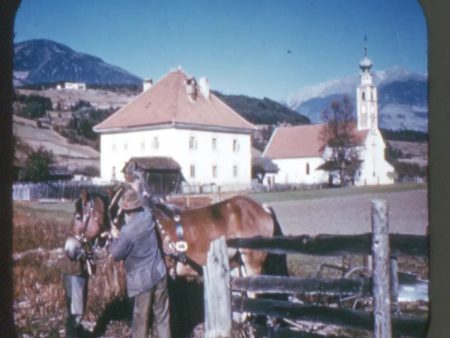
(169, 210)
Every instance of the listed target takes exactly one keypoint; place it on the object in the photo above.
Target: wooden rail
(332, 245)
(383, 286)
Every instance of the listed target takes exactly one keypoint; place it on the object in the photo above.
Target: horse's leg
(253, 261)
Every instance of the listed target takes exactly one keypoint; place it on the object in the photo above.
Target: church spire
(366, 95)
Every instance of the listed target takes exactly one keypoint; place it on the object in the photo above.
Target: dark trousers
(154, 301)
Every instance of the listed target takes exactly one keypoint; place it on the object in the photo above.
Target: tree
(37, 166)
(341, 143)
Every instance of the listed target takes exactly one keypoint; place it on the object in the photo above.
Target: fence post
(381, 270)
(217, 294)
(394, 285)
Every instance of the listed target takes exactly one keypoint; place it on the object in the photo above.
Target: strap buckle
(181, 246)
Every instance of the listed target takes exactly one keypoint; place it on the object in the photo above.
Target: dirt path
(408, 213)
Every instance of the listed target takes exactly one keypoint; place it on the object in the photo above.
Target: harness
(178, 249)
(89, 250)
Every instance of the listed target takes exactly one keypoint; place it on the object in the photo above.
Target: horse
(89, 231)
(185, 235)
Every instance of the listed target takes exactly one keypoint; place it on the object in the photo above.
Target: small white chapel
(298, 151)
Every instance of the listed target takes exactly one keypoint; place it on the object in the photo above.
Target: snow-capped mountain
(402, 98)
(44, 61)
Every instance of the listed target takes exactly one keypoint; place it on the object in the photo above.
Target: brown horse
(185, 234)
(238, 217)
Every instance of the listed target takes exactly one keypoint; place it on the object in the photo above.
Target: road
(408, 214)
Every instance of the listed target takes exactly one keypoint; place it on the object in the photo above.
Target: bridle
(90, 251)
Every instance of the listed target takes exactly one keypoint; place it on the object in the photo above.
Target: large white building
(179, 118)
(299, 151)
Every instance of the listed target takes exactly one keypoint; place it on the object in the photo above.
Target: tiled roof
(167, 102)
(154, 163)
(299, 141)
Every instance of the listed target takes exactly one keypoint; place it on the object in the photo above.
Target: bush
(33, 106)
(37, 166)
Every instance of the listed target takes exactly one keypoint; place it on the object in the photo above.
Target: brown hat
(130, 200)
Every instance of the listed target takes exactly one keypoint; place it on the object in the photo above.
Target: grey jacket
(137, 245)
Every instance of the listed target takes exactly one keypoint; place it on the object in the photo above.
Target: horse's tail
(275, 264)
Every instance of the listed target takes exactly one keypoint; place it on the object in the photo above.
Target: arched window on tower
(363, 96)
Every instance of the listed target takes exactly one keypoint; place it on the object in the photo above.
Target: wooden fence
(383, 248)
(53, 190)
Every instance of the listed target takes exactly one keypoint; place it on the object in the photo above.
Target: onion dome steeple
(365, 64)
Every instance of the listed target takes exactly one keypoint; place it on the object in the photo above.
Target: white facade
(374, 169)
(300, 171)
(206, 157)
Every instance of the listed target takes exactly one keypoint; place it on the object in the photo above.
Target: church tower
(366, 97)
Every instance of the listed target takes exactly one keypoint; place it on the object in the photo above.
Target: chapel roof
(300, 141)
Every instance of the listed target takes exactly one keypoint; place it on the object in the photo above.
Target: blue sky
(256, 48)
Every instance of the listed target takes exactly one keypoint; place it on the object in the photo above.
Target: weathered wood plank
(332, 245)
(295, 285)
(282, 332)
(404, 325)
(381, 270)
(216, 276)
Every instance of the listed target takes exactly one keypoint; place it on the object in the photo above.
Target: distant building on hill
(179, 118)
(71, 86)
(300, 152)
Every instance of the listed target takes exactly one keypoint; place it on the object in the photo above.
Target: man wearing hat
(137, 246)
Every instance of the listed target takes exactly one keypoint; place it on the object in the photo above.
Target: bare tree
(341, 142)
(8, 9)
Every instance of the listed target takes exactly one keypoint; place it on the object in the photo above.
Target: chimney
(191, 88)
(148, 83)
(204, 87)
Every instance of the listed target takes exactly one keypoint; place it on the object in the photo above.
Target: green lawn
(333, 192)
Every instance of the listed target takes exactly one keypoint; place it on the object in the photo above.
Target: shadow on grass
(119, 309)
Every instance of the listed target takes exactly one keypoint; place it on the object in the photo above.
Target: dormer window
(191, 88)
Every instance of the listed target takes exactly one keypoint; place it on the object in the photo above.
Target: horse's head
(90, 221)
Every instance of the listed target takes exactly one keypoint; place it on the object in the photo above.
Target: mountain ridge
(402, 98)
(45, 61)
